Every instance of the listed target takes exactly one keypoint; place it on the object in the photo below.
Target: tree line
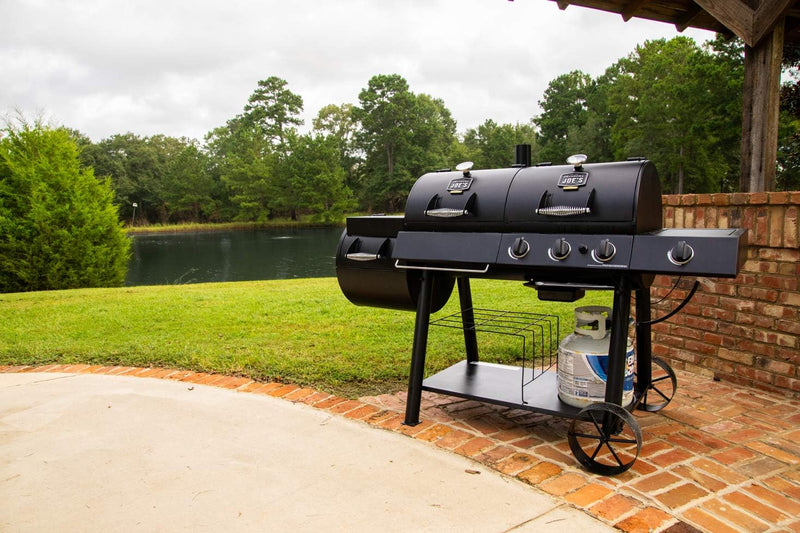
(673, 101)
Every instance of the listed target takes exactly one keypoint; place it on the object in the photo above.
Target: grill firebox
(559, 229)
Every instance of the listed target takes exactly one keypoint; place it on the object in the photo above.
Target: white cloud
(183, 67)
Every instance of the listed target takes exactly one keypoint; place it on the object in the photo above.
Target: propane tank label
(630, 363)
(582, 377)
(565, 363)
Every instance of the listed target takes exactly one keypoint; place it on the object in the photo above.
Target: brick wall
(745, 330)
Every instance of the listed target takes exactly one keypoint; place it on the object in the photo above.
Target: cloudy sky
(183, 67)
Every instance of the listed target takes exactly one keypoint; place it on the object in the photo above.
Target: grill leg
(468, 320)
(644, 354)
(618, 343)
(418, 351)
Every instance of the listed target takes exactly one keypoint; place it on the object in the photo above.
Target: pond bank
(228, 226)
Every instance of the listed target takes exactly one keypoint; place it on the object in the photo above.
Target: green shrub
(59, 227)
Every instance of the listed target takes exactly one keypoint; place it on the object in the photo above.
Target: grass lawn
(300, 331)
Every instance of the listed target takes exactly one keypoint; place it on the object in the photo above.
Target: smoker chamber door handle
(464, 270)
(362, 256)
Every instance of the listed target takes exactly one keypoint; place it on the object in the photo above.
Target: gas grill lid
(615, 198)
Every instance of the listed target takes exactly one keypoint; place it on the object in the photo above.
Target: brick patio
(719, 458)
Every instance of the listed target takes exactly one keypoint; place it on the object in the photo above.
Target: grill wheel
(606, 439)
(662, 387)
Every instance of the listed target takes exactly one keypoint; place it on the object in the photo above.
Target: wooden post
(760, 111)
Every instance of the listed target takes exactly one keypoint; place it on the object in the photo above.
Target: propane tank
(583, 360)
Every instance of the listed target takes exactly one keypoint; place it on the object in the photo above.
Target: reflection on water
(232, 256)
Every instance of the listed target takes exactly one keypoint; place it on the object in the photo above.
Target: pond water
(168, 259)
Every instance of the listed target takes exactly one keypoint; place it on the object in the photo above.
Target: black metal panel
(714, 252)
(434, 247)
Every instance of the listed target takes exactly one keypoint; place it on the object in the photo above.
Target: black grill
(558, 229)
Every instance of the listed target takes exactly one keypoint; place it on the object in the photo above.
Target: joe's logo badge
(573, 180)
(459, 185)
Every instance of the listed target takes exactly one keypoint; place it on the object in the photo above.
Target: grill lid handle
(355, 252)
(362, 256)
(563, 210)
(446, 212)
(434, 210)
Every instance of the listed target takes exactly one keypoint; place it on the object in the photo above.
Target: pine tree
(59, 227)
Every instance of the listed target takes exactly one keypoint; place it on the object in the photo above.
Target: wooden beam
(760, 111)
(630, 9)
(691, 13)
(765, 17)
(733, 14)
(750, 24)
(562, 4)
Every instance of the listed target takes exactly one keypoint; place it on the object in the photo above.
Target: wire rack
(538, 355)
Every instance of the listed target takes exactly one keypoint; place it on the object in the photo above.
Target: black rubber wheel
(662, 387)
(605, 439)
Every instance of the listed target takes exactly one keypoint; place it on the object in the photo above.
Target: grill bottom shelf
(500, 384)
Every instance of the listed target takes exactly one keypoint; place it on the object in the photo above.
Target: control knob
(604, 252)
(681, 253)
(560, 249)
(519, 248)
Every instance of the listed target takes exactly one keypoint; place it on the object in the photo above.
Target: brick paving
(721, 457)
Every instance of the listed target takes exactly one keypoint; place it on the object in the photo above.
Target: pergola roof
(751, 20)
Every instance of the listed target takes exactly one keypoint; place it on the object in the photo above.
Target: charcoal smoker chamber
(560, 230)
